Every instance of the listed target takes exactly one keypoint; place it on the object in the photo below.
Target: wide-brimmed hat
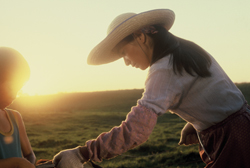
(124, 25)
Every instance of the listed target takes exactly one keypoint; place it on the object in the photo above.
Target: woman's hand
(16, 162)
(188, 135)
(69, 158)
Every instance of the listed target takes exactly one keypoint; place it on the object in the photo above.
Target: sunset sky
(55, 36)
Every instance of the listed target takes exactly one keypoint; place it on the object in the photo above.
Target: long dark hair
(185, 54)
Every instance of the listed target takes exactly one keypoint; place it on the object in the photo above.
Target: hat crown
(118, 21)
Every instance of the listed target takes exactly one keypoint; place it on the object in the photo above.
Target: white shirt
(200, 101)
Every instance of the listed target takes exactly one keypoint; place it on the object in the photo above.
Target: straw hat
(124, 25)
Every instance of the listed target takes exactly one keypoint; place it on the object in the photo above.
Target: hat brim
(101, 53)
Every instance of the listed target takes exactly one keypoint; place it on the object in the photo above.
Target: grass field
(56, 122)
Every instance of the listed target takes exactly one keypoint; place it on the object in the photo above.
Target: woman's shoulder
(163, 63)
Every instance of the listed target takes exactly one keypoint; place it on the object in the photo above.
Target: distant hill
(120, 100)
(245, 89)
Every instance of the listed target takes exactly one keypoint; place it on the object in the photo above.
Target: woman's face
(137, 53)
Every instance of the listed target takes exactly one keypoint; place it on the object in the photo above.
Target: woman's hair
(185, 54)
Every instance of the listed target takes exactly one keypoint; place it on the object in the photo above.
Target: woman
(184, 79)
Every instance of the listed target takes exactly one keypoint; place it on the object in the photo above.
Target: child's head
(14, 72)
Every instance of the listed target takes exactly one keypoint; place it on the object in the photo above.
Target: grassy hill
(66, 120)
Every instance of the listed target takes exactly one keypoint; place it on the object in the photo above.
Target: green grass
(51, 132)
(57, 122)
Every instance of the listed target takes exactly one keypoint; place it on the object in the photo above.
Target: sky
(56, 36)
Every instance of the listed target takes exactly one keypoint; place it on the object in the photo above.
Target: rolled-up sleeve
(132, 132)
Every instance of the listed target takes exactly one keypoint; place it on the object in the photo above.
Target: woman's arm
(15, 162)
(132, 132)
(25, 143)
